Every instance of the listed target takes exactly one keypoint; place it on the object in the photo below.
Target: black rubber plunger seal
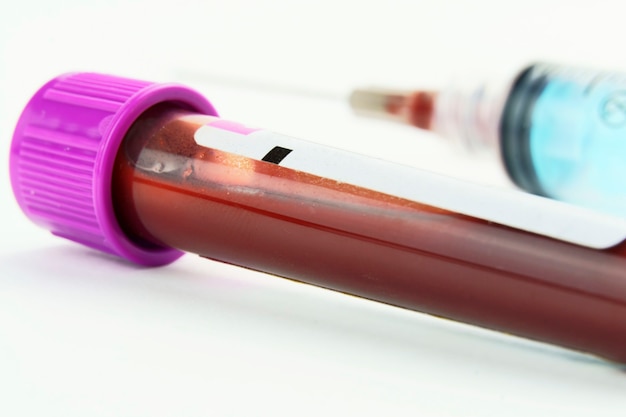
(515, 129)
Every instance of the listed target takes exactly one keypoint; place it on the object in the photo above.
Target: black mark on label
(277, 154)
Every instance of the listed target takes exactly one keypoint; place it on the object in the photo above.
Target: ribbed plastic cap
(63, 151)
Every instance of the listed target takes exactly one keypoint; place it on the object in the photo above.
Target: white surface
(82, 334)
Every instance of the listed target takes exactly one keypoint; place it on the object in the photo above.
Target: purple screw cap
(63, 151)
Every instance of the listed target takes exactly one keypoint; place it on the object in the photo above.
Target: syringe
(144, 171)
(560, 131)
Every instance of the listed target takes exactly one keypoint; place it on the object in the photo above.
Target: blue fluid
(577, 138)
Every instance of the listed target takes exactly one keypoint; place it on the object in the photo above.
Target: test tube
(145, 171)
(559, 130)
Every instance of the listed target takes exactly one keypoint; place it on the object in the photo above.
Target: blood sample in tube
(168, 175)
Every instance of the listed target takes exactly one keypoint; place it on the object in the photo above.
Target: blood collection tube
(145, 171)
(559, 130)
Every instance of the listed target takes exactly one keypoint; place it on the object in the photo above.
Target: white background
(82, 334)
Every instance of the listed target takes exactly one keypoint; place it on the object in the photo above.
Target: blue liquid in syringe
(563, 135)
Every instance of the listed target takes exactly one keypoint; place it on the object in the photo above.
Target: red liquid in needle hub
(168, 190)
(416, 108)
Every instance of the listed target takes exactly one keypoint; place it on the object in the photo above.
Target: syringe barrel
(179, 181)
(562, 135)
(559, 130)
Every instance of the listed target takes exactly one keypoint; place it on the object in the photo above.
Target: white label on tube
(506, 207)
